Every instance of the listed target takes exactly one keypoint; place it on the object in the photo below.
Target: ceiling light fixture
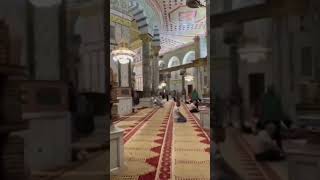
(123, 54)
(189, 78)
(163, 84)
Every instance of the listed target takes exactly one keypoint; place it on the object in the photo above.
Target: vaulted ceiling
(178, 23)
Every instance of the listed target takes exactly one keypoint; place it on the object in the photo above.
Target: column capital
(169, 75)
(196, 38)
(182, 72)
(156, 50)
(232, 32)
(146, 38)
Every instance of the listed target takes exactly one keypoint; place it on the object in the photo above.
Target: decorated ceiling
(178, 23)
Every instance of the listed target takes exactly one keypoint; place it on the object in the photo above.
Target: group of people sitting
(269, 125)
(193, 108)
(157, 101)
(269, 146)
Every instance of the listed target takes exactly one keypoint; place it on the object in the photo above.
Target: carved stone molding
(121, 21)
(146, 38)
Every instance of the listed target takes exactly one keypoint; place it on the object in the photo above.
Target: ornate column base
(146, 102)
(116, 150)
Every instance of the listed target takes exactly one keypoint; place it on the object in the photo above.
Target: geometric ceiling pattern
(179, 24)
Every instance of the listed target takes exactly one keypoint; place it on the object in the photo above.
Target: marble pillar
(146, 54)
(155, 66)
(232, 35)
(168, 79)
(46, 43)
(55, 143)
(183, 89)
(197, 56)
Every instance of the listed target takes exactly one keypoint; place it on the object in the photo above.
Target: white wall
(47, 141)
(92, 72)
(46, 41)
(124, 106)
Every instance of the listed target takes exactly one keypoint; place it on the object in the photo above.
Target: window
(306, 61)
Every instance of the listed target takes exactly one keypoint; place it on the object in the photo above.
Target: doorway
(190, 88)
(256, 87)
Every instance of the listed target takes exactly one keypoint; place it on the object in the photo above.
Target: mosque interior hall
(159, 89)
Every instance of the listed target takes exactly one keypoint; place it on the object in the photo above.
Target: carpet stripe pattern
(163, 149)
(130, 123)
(191, 150)
(254, 169)
(143, 149)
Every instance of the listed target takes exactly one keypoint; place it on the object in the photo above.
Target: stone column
(155, 81)
(197, 56)
(146, 54)
(168, 76)
(183, 89)
(47, 43)
(232, 35)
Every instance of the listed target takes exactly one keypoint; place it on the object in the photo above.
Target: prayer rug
(162, 149)
(142, 149)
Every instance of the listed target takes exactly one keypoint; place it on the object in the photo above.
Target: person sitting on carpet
(177, 115)
(267, 148)
(193, 107)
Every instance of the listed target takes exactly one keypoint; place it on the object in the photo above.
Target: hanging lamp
(189, 78)
(123, 54)
(163, 84)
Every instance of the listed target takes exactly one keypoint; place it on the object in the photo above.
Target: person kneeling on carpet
(267, 148)
(193, 107)
(177, 114)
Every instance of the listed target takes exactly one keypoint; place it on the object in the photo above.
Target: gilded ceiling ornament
(156, 50)
(120, 20)
(145, 38)
(136, 44)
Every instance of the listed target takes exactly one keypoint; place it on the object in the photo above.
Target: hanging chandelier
(163, 84)
(123, 54)
(188, 78)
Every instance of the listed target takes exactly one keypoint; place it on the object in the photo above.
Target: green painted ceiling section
(153, 18)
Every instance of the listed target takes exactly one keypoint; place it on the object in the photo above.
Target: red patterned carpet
(156, 147)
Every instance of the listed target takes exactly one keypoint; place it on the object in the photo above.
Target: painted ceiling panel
(178, 23)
